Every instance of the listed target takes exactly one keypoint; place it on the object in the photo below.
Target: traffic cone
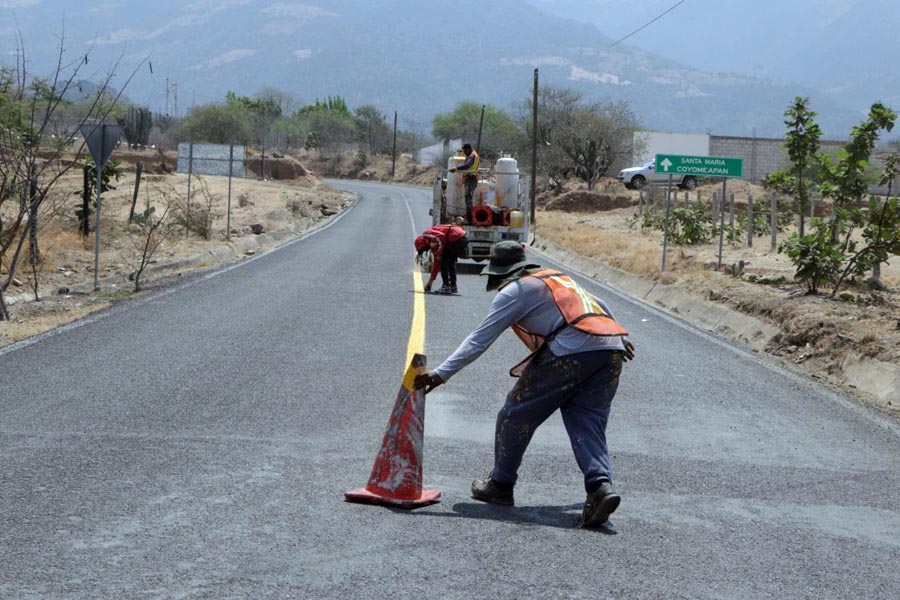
(396, 478)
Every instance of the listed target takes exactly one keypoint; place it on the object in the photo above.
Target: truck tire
(637, 182)
(688, 183)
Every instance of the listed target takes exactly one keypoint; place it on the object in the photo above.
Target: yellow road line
(417, 333)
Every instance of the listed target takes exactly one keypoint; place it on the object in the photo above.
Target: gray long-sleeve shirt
(529, 303)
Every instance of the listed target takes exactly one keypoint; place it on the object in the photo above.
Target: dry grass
(68, 259)
(817, 333)
(621, 249)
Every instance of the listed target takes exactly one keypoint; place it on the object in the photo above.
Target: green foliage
(263, 108)
(577, 137)
(691, 225)
(144, 219)
(687, 224)
(333, 105)
(136, 125)
(831, 253)
(802, 144)
(499, 132)
(844, 178)
(816, 257)
(112, 171)
(648, 221)
(372, 130)
(217, 124)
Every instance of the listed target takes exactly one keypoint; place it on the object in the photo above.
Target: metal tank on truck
(500, 205)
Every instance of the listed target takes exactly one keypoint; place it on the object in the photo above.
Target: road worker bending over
(447, 243)
(577, 353)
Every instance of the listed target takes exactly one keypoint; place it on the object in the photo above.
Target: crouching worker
(447, 244)
(577, 353)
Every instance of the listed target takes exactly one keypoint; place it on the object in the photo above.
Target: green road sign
(708, 166)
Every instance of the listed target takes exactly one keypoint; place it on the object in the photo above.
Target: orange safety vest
(579, 310)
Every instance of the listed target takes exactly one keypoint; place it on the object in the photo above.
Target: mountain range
(421, 58)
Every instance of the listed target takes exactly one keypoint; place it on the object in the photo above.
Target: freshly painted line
(416, 343)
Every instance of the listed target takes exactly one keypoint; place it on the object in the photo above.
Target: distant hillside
(844, 49)
(416, 58)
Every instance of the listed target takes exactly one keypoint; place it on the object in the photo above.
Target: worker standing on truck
(469, 168)
(577, 353)
(447, 244)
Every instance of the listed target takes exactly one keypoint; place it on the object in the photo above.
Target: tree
(30, 164)
(499, 132)
(372, 130)
(802, 145)
(328, 124)
(262, 112)
(136, 125)
(831, 253)
(576, 137)
(216, 124)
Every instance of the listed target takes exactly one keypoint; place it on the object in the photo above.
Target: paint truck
(500, 205)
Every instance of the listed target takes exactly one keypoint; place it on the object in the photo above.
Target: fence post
(731, 211)
(774, 220)
(190, 176)
(750, 220)
(228, 210)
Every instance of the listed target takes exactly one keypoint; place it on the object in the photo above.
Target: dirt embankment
(819, 336)
(290, 198)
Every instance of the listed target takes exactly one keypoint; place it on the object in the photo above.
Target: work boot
(492, 492)
(454, 289)
(445, 289)
(598, 506)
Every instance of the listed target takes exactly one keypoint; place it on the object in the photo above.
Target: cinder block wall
(760, 155)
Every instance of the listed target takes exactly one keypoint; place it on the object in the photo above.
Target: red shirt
(442, 234)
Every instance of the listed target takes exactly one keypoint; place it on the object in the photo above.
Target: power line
(657, 18)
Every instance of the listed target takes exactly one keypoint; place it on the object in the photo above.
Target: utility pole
(167, 97)
(480, 125)
(175, 91)
(394, 151)
(534, 126)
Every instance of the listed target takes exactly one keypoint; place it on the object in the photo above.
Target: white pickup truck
(635, 178)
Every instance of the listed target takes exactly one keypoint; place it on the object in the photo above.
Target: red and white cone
(396, 478)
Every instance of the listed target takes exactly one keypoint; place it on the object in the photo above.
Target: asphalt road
(197, 444)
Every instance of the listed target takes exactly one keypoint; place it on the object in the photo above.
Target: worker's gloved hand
(629, 351)
(453, 170)
(427, 287)
(427, 381)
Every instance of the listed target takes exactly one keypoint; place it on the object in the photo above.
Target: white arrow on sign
(666, 163)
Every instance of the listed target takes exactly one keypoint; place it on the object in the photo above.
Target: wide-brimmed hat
(507, 258)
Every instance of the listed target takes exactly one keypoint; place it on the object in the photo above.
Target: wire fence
(770, 214)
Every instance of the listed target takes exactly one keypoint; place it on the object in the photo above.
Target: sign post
(699, 166)
(666, 226)
(100, 141)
